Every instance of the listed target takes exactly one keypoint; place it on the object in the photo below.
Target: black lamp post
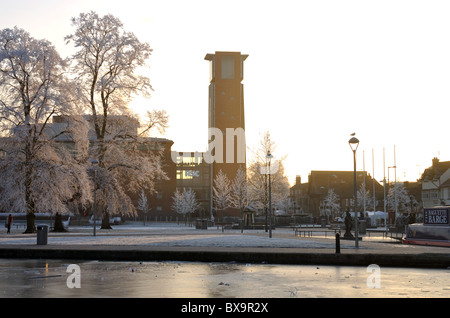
(354, 143)
(269, 156)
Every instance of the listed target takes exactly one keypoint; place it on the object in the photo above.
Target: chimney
(298, 180)
(435, 161)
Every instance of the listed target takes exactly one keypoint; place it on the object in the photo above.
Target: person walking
(9, 223)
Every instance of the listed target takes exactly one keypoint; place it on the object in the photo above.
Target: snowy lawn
(167, 239)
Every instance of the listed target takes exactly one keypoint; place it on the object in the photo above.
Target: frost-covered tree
(190, 201)
(364, 199)
(258, 176)
(221, 191)
(143, 204)
(239, 192)
(398, 198)
(185, 202)
(331, 204)
(177, 205)
(37, 173)
(106, 66)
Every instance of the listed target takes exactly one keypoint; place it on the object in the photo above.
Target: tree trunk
(29, 201)
(31, 227)
(59, 227)
(105, 222)
(242, 220)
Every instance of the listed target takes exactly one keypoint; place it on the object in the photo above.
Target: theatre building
(193, 172)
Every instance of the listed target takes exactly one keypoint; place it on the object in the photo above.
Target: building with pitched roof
(436, 184)
(298, 195)
(341, 182)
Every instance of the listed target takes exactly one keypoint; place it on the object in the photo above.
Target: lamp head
(353, 142)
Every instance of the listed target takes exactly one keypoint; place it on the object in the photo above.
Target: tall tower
(226, 112)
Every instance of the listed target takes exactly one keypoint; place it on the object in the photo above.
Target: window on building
(190, 160)
(434, 195)
(186, 174)
(212, 71)
(227, 67)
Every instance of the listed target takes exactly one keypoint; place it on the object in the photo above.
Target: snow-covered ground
(213, 240)
(170, 235)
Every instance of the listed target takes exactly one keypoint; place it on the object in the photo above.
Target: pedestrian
(9, 223)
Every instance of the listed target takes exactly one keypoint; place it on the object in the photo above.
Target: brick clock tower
(226, 120)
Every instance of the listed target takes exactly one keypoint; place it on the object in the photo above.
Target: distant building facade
(160, 202)
(309, 198)
(299, 198)
(436, 184)
(342, 184)
(193, 172)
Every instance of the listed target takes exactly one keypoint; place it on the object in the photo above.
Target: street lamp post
(269, 156)
(354, 142)
(95, 164)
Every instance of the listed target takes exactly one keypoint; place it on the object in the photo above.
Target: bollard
(42, 234)
(338, 244)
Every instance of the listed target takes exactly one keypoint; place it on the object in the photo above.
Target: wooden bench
(298, 232)
(394, 233)
(300, 228)
(335, 226)
(20, 224)
(223, 225)
(303, 226)
(309, 232)
(370, 231)
(258, 225)
(23, 223)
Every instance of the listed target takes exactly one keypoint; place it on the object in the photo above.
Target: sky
(317, 71)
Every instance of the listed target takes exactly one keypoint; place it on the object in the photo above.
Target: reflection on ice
(41, 278)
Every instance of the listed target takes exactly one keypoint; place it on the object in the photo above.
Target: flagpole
(373, 182)
(384, 190)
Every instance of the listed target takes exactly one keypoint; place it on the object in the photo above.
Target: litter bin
(362, 226)
(201, 224)
(42, 234)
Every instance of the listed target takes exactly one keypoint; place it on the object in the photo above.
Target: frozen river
(59, 278)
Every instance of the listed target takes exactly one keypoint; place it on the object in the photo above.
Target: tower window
(228, 67)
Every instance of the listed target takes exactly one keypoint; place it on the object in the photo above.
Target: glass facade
(194, 173)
